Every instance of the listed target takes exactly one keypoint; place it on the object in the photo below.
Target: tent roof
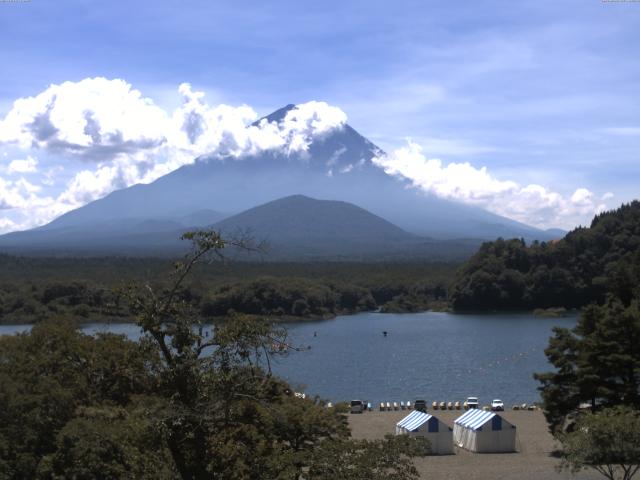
(413, 421)
(474, 418)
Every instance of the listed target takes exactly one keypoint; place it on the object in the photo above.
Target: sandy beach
(532, 461)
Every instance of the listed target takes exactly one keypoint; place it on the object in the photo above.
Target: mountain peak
(278, 115)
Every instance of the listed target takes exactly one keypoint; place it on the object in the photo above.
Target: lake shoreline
(290, 319)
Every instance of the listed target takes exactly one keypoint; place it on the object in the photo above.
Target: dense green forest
(583, 267)
(90, 289)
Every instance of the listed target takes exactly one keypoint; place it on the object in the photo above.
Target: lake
(431, 355)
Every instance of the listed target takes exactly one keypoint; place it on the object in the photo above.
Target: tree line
(86, 290)
(583, 267)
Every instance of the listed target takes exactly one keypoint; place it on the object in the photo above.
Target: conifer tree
(597, 362)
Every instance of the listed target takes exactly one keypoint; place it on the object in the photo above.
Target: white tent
(483, 432)
(422, 424)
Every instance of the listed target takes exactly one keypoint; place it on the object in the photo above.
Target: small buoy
(384, 333)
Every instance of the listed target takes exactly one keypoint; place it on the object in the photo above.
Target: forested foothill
(583, 267)
(90, 289)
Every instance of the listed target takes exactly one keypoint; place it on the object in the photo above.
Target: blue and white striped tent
(480, 431)
(422, 424)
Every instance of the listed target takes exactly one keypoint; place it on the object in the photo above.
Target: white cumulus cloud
(20, 194)
(531, 204)
(111, 136)
(27, 165)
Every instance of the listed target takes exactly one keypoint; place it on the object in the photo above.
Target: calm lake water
(435, 356)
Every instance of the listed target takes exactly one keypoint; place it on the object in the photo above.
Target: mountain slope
(111, 235)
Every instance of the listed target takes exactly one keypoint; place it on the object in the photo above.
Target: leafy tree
(226, 415)
(109, 442)
(51, 372)
(608, 442)
(387, 459)
(597, 362)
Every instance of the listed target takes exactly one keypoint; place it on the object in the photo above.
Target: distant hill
(305, 228)
(583, 267)
(337, 165)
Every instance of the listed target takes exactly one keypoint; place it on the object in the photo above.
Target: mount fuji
(335, 166)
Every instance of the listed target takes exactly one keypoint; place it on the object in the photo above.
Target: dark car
(420, 405)
(357, 406)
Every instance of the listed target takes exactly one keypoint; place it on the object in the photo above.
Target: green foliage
(106, 443)
(575, 271)
(388, 459)
(87, 290)
(597, 362)
(34, 302)
(283, 297)
(608, 441)
(49, 373)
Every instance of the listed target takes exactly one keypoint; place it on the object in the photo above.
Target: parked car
(472, 402)
(420, 405)
(497, 405)
(357, 406)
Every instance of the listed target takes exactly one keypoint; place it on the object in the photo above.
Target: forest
(92, 289)
(584, 267)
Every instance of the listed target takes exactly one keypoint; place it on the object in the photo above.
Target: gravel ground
(532, 461)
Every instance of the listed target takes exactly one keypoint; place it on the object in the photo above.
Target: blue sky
(541, 93)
